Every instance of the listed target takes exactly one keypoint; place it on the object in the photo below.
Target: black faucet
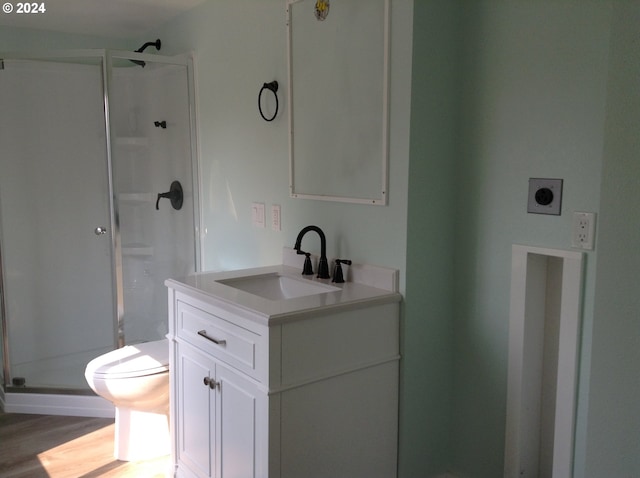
(323, 264)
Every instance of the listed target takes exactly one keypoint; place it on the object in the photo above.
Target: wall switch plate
(583, 230)
(275, 217)
(545, 196)
(257, 214)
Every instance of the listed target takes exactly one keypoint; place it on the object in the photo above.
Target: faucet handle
(338, 277)
(307, 268)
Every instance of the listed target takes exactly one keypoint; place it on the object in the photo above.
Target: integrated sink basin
(276, 286)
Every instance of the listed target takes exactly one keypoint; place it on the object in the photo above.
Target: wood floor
(34, 446)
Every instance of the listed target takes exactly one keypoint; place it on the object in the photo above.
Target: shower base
(65, 372)
(55, 386)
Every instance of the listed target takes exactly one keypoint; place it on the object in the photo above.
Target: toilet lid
(147, 358)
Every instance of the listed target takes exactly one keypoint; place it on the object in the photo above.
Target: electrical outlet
(583, 230)
(545, 196)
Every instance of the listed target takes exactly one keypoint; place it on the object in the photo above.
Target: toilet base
(141, 435)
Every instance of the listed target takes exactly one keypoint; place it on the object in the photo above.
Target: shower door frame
(106, 57)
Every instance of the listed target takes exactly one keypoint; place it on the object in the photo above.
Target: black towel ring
(273, 86)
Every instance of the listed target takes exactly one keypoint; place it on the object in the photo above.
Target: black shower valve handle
(160, 196)
(175, 194)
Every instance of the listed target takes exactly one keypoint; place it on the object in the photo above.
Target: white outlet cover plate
(276, 217)
(583, 230)
(555, 206)
(257, 214)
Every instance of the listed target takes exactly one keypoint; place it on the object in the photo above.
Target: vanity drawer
(222, 339)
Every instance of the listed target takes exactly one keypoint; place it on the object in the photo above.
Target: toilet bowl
(135, 378)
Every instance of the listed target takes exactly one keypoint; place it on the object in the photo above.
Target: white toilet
(135, 378)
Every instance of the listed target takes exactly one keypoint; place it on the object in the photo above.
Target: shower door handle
(100, 230)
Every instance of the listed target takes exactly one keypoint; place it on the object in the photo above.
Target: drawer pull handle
(203, 333)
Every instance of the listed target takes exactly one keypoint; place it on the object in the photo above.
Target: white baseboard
(51, 404)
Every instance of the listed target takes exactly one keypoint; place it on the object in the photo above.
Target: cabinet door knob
(211, 383)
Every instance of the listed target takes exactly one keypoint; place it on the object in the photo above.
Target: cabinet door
(238, 409)
(196, 412)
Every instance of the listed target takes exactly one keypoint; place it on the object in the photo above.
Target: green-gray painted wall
(532, 104)
(613, 420)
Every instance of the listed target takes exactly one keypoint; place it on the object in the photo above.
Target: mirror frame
(383, 162)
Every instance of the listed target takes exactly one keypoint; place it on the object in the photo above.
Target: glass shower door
(151, 138)
(55, 222)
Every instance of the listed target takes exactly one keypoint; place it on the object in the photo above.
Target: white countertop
(350, 295)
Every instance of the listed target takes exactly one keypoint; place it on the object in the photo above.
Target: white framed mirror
(338, 99)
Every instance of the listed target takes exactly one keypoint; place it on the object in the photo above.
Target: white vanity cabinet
(283, 389)
(215, 403)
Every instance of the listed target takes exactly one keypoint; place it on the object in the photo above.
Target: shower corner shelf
(139, 141)
(137, 250)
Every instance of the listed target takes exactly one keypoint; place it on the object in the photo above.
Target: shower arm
(156, 43)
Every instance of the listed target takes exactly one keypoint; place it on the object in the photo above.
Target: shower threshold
(50, 390)
(46, 401)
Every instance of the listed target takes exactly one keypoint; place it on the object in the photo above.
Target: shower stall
(92, 146)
